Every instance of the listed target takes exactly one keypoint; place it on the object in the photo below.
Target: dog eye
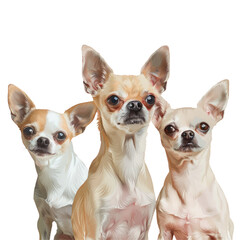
(28, 131)
(61, 136)
(150, 99)
(203, 127)
(170, 129)
(113, 100)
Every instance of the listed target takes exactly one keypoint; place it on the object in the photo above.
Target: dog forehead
(55, 122)
(47, 120)
(129, 86)
(37, 116)
(186, 117)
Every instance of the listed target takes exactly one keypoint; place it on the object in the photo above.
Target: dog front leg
(44, 228)
(220, 237)
(165, 235)
(61, 236)
(148, 220)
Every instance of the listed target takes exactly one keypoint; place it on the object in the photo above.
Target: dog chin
(41, 153)
(188, 147)
(131, 121)
(130, 125)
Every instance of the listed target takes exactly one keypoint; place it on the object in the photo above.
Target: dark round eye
(204, 127)
(113, 100)
(170, 129)
(28, 131)
(61, 136)
(150, 99)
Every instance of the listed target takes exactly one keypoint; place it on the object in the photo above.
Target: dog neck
(127, 152)
(53, 177)
(189, 175)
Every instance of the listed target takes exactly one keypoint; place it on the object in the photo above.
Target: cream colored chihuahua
(47, 136)
(191, 204)
(117, 200)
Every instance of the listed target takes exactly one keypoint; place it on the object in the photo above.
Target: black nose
(188, 135)
(43, 142)
(135, 106)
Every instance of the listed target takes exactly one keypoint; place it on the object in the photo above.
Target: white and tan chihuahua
(47, 136)
(117, 200)
(191, 204)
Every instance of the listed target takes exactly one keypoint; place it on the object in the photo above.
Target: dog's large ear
(215, 100)
(80, 116)
(19, 104)
(161, 107)
(95, 70)
(156, 69)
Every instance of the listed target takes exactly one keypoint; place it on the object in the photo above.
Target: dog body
(191, 204)
(123, 194)
(55, 190)
(47, 136)
(117, 200)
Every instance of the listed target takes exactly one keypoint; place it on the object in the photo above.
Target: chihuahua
(117, 200)
(191, 204)
(47, 136)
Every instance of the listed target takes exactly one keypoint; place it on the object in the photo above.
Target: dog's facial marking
(45, 133)
(127, 101)
(37, 118)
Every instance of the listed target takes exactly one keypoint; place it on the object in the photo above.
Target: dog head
(46, 133)
(125, 102)
(187, 131)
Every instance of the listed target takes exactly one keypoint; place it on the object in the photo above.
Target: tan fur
(37, 116)
(99, 183)
(117, 200)
(133, 86)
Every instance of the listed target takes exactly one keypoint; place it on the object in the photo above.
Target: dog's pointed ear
(95, 70)
(19, 104)
(161, 107)
(215, 100)
(80, 116)
(157, 67)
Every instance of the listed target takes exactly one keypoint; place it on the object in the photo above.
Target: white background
(40, 52)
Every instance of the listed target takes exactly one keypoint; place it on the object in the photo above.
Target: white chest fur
(56, 187)
(128, 153)
(127, 212)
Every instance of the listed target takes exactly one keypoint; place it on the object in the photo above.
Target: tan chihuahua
(191, 204)
(117, 200)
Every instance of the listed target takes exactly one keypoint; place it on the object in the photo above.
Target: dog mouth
(187, 147)
(41, 152)
(134, 120)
